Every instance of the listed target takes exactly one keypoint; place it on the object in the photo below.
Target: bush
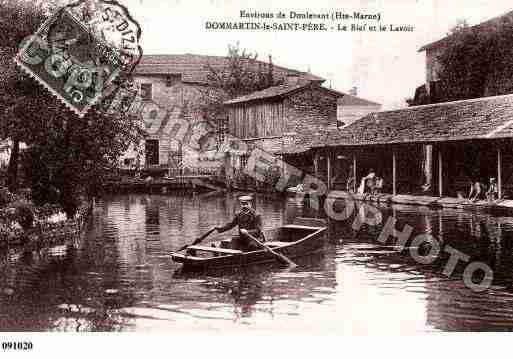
(24, 214)
(6, 197)
(272, 176)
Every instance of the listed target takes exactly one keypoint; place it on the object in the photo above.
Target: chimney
(353, 91)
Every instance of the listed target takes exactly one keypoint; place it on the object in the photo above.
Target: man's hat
(245, 199)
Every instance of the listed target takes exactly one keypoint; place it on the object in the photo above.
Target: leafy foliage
(67, 156)
(477, 61)
(242, 75)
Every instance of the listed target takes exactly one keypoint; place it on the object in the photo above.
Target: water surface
(118, 275)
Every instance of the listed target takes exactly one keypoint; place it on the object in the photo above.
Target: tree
(477, 61)
(67, 155)
(17, 20)
(71, 157)
(242, 75)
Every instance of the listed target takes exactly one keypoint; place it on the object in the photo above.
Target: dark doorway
(152, 152)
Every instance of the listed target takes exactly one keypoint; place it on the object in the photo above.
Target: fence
(197, 171)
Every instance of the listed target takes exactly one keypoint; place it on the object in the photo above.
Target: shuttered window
(256, 120)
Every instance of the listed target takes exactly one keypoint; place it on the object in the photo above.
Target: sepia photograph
(233, 167)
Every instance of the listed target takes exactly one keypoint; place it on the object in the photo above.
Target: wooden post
(499, 172)
(328, 164)
(354, 173)
(427, 165)
(316, 165)
(394, 173)
(440, 171)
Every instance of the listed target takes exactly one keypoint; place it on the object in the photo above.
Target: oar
(198, 240)
(278, 256)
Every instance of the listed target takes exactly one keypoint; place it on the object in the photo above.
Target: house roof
(484, 26)
(277, 91)
(350, 100)
(193, 68)
(294, 149)
(482, 118)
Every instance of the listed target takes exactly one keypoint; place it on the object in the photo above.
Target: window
(152, 152)
(146, 91)
(222, 129)
(243, 161)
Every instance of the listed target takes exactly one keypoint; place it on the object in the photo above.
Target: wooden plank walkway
(427, 201)
(165, 185)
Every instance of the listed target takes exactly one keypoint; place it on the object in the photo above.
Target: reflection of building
(4, 153)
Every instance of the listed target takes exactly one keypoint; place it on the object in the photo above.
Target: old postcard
(292, 168)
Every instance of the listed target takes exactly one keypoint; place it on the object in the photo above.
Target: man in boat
(246, 219)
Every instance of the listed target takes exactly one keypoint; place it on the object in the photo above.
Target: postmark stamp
(80, 52)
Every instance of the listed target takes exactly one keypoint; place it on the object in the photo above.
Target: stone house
(177, 83)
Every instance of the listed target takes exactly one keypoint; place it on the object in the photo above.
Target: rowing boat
(304, 236)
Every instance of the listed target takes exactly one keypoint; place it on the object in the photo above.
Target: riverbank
(163, 185)
(430, 201)
(47, 226)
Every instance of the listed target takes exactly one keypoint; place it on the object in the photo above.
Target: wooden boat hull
(312, 240)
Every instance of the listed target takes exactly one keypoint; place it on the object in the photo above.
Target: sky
(385, 66)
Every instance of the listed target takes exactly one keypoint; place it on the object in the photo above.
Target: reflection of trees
(450, 305)
(73, 286)
(42, 290)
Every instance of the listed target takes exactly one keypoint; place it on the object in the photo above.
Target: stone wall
(310, 113)
(432, 64)
(182, 102)
(306, 113)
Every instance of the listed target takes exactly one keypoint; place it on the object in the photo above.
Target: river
(118, 275)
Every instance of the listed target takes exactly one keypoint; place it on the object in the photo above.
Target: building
(176, 82)
(283, 120)
(436, 150)
(351, 108)
(278, 118)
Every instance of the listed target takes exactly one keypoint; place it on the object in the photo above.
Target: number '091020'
(17, 346)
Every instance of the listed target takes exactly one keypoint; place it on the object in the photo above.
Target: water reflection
(118, 276)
